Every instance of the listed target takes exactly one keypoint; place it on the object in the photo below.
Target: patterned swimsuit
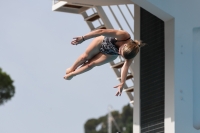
(108, 46)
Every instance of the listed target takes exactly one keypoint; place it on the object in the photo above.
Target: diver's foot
(68, 76)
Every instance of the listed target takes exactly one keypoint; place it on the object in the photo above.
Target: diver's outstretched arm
(119, 34)
(124, 72)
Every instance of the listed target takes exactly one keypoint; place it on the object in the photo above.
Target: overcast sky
(35, 50)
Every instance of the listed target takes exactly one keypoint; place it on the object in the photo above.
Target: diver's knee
(84, 57)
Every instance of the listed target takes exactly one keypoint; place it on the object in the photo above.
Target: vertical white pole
(109, 123)
(136, 69)
(169, 77)
(196, 77)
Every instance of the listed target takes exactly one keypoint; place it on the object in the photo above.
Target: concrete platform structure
(166, 74)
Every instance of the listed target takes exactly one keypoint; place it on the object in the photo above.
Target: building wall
(185, 20)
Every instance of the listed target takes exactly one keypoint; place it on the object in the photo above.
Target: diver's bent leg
(83, 69)
(91, 51)
(81, 59)
(98, 60)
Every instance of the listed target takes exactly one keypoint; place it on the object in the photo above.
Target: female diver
(106, 46)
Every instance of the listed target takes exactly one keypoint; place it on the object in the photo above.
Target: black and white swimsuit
(108, 46)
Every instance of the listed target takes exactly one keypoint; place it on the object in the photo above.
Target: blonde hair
(132, 48)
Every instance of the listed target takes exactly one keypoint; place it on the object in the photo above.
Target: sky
(35, 51)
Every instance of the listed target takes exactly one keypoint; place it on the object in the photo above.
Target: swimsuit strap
(123, 40)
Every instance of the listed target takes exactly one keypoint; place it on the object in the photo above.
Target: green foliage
(7, 90)
(123, 120)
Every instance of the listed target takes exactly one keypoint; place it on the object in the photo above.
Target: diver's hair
(132, 48)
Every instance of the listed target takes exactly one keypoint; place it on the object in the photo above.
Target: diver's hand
(120, 88)
(77, 40)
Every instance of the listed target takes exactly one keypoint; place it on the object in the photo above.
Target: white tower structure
(166, 71)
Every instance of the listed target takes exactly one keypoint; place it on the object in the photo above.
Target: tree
(124, 121)
(7, 90)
